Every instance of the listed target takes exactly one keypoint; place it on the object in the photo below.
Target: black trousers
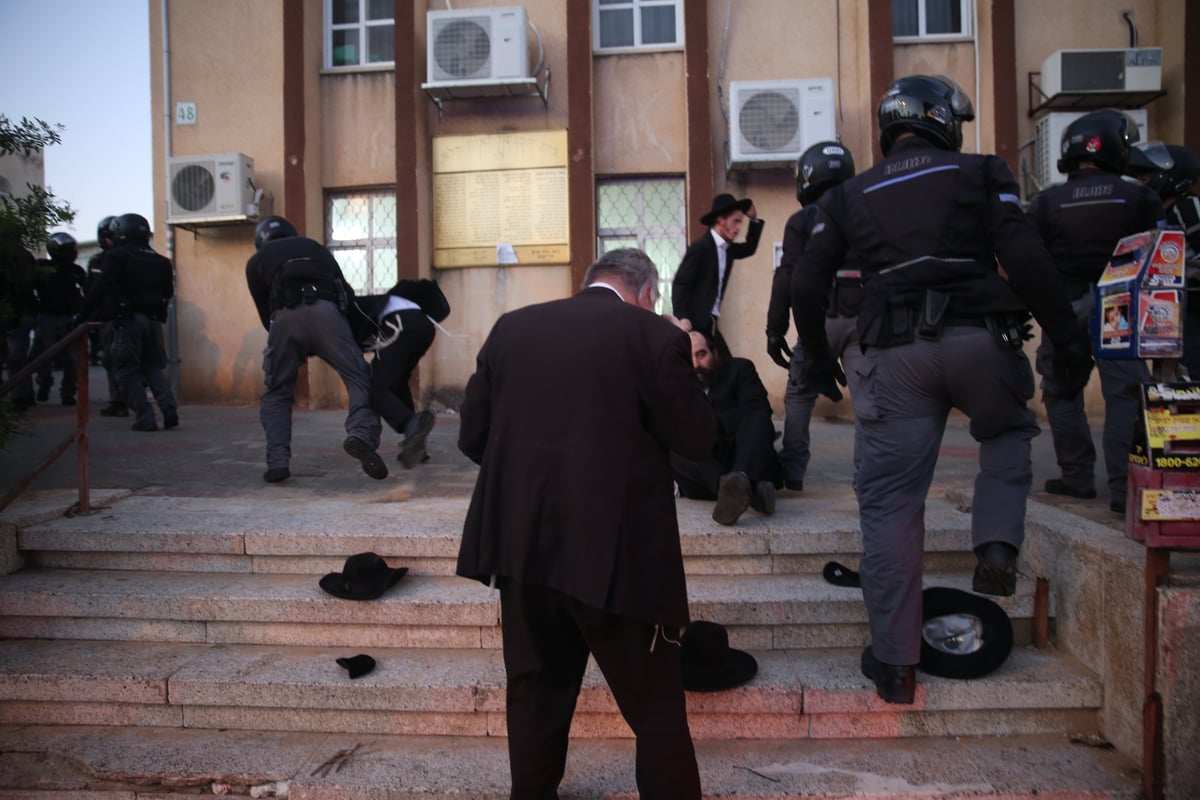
(547, 639)
(393, 366)
(751, 449)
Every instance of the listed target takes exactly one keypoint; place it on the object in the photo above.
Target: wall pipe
(168, 118)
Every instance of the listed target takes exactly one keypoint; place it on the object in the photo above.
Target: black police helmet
(271, 228)
(62, 248)
(933, 107)
(104, 235)
(820, 167)
(130, 228)
(1176, 180)
(1102, 137)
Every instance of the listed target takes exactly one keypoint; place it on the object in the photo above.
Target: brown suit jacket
(571, 413)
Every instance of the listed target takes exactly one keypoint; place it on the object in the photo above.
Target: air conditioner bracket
(442, 91)
(1084, 101)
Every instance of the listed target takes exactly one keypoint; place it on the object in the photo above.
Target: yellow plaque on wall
(500, 200)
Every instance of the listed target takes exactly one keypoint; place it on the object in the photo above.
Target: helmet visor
(1149, 157)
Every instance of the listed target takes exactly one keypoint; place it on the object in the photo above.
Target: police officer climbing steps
(302, 299)
(941, 329)
(135, 287)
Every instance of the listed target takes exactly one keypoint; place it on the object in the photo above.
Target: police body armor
(305, 281)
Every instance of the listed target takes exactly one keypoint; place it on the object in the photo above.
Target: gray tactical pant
(138, 359)
(904, 396)
(318, 329)
(801, 395)
(1120, 385)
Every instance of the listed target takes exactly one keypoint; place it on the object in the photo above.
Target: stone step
(762, 612)
(796, 694)
(90, 763)
(201, 534)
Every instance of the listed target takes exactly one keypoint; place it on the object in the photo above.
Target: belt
(962, 321)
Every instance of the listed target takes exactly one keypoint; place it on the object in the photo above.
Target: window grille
(647, 213)
(361, 234)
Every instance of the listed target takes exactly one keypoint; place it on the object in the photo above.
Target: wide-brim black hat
(365, 576)
(723, 204)
(988, 633)
(709, 663)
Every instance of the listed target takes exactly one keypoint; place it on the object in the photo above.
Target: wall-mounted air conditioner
(1048, 142)
(778, 120)
(1133, 69)
(212, 188)
(483, 44)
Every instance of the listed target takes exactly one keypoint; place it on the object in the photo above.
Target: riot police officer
(100, 339)
(820, 167)
(136, 285)
(60, 294)
(302, 299)
(941, 329)
(1081, 222)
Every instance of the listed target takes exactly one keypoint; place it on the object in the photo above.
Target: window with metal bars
(359, 33)
(647, 213)
(361, 234)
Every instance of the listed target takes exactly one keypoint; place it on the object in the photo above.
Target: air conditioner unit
(483, 44)
(776, 121)
(1133, 69)
(211, 189)
(1048, 142)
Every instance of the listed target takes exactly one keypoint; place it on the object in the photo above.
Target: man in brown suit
(572, 411)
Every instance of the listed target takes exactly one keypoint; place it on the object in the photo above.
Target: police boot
(115, 409)
(894, 683)
(996, 570)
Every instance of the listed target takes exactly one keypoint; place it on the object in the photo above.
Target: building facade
(418, 158)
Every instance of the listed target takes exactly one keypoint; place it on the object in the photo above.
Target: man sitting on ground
(743, 469)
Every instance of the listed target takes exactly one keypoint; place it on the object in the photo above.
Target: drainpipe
(975, 47)
(168, 120)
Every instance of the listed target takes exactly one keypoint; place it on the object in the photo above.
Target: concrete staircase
(171, 644)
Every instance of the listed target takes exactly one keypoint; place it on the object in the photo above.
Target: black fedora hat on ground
(365, 576)
(709, 663)
(724, 204)
(358, 665)
(964, 635)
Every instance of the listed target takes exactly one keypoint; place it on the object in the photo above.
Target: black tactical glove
(778, 350)
(1072, 367)
(825, 375)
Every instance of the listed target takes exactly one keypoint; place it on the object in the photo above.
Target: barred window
(640, 24)
(647, 213)
(361, 234)
(359, 33)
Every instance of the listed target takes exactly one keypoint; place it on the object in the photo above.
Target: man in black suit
(743, 469)
(573, 517)
(703, 275)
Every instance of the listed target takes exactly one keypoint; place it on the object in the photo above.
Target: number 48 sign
(185, 113)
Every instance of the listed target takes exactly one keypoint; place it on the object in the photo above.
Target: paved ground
(220, 451)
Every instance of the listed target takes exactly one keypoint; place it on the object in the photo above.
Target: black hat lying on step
(358, 665)
(709, 663)
(365, 576)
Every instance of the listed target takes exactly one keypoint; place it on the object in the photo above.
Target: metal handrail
(79, 436)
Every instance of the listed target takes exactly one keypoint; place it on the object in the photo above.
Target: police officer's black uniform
(101, 339)
(139, 283)
(60, 294)
(941, 329)
(1081, 222)
(820, 167)
(301, 298)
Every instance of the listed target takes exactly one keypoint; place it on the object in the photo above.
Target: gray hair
(628, 265)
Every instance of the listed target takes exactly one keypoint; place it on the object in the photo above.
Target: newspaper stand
(1139, 314)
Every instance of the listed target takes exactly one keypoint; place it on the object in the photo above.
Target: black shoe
(277, 474)
(733, 497)
(763, 498)
(115, 410)
(23, 403)
(893, 683)
(794, 486)
(996, 570)
(170, 420)
(43, 394)
(1117, 506)
(371, 463)
(1059, 486)
(68, 401)
(412, 449)
(145, 427)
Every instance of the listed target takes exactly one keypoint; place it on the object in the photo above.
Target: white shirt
(722, 260)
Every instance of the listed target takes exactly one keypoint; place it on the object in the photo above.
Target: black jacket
(135, 280)
(1082, 220)
(60, 290)
(694, 289)
(294, 259)
(925, 218)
